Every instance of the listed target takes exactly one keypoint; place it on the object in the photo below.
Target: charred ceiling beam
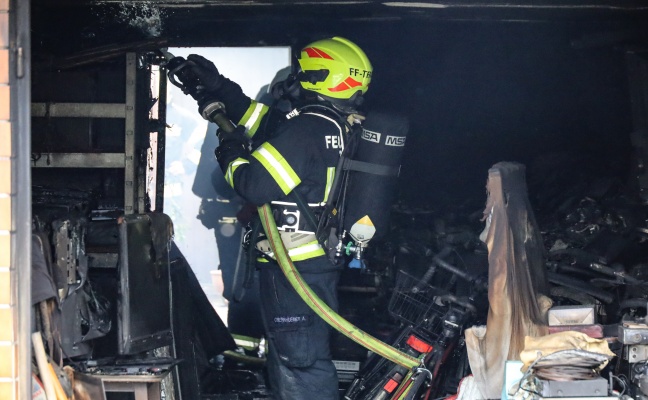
(103, 53)
(531, 4)
(89, 26)
(528, 4)
(372, 8)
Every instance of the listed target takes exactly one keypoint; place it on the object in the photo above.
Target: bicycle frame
(439, 328)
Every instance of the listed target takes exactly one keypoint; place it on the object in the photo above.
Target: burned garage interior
(510, 258)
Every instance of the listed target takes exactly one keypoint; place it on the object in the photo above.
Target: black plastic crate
(413, 302)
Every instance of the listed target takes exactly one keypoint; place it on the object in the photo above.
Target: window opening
(204, 216)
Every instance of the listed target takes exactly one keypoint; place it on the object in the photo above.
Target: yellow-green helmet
(336, 68)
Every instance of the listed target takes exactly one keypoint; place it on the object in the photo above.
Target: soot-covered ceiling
(540, 82)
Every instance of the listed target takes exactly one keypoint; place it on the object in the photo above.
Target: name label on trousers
(291, 320)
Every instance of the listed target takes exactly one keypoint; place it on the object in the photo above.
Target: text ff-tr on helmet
(336, 69)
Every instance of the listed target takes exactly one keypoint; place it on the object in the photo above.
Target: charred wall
(547, 88)
(479, 93)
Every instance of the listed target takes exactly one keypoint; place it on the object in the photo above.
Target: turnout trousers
(299, 357)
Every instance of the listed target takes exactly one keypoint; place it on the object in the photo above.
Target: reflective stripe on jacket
(301, 154)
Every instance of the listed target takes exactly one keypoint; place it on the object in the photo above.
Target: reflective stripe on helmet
(349, 83)
(316, 53)
(253, 116)
(229, 174)
(277, 166)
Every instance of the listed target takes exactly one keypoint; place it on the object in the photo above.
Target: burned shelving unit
(97, 176)
(98, 163)
(133, 200)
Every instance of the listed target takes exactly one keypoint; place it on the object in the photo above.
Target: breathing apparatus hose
(316, 304)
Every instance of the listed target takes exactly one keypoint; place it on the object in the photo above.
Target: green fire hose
(324, 311)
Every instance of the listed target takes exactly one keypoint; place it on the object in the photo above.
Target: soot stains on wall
(478, 88)
(478, 93)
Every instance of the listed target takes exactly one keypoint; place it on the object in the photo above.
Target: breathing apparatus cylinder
(372, 179)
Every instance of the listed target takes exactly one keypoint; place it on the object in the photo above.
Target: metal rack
(125, 160)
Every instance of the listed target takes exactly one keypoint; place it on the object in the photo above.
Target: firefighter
(298, 152)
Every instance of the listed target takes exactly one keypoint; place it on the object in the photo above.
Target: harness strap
(370, 168)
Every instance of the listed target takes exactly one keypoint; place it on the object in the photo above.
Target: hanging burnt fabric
(516, 279)
(43, 286)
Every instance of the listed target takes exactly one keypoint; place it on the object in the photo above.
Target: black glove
(205, 70)
(232, 146)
